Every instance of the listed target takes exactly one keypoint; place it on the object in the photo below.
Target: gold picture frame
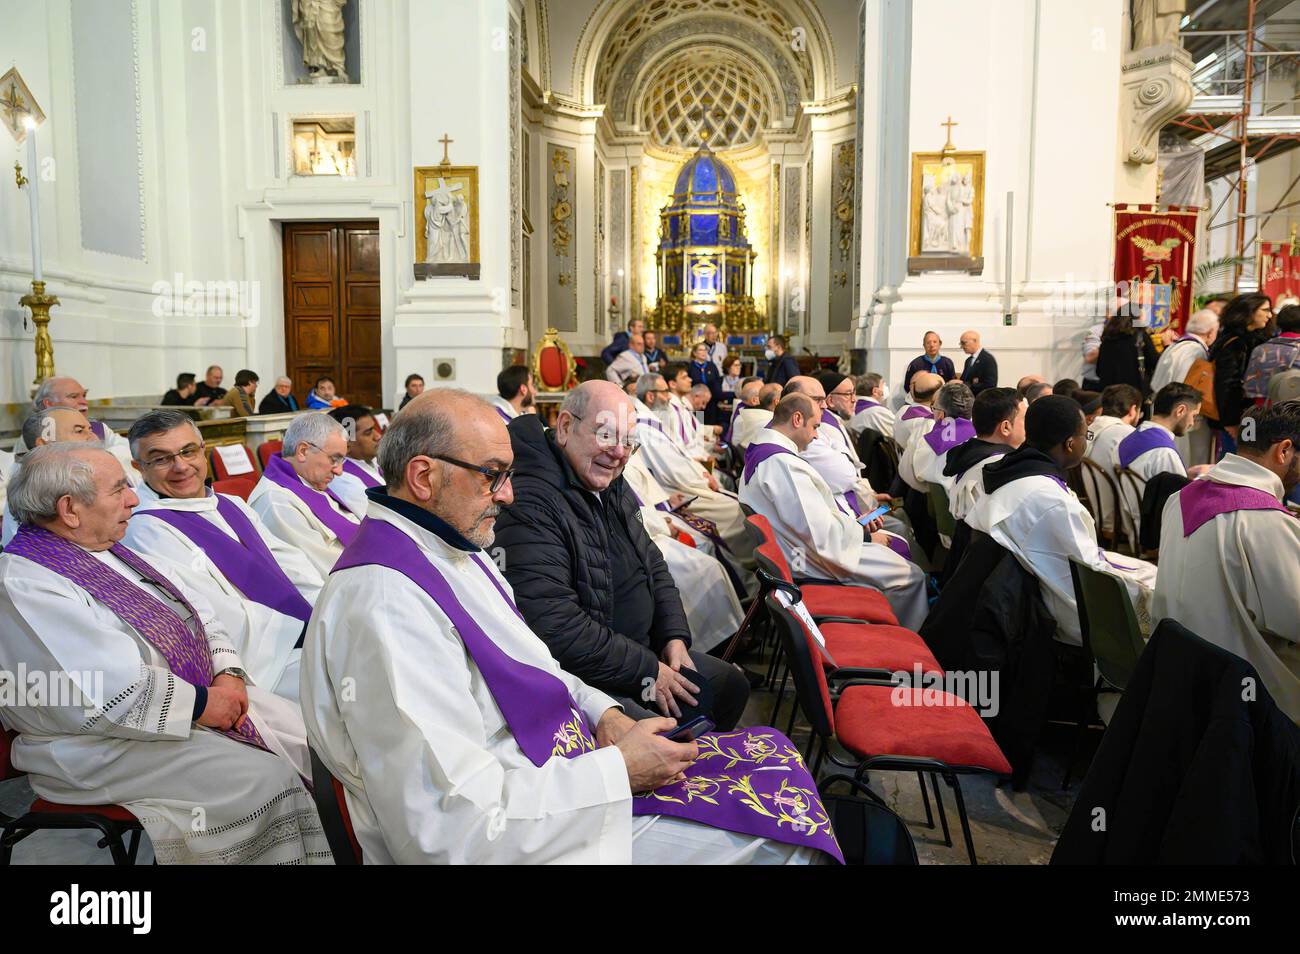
(458, 184)
(938, 167)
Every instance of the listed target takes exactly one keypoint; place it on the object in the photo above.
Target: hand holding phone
(692, 730)
(876, 514)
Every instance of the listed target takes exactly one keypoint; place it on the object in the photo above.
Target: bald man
(751, 422)
(54, 425)
(915, 421)
(980, 372)
(69, 393)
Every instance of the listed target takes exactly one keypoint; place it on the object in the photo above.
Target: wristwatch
(233, 671)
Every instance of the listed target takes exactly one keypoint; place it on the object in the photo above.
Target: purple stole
(863, 404)
(943, 438)
(735, 413)
(504, 416)
(781, 803)
(279, 472)
(98, 428)
(182, 643)
(360, 473)
(899, 546)
(916, 410)
(1203, 500)
(755, 454)
(653, 422)
(1139, 442)
(247, 562)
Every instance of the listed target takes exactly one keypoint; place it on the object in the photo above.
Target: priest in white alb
(260, 588)
(998, 416)
(1230, 553)
(915, 420)
(362, 427)
(1121, 409)
(819, 539)
(516, 393)
(751, 420)
(1153, 447)
(155, 711)
(870, 412)
(679, 473)
(1175, 362)
(953, 407)
(703, 580)
(1028, 508)
(53, 425)
(456, 735)
(294, 497)
(69, 393)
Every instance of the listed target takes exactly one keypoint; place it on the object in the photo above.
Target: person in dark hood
(586, 576)
(1028, 508)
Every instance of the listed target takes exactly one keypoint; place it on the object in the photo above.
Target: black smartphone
(690, 731)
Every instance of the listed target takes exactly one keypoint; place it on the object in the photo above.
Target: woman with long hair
(1127, 354)
(1244, 323)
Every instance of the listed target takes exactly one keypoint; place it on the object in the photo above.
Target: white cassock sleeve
(48, 623)
(422, 745)
(834, 466)
(670, 465)
(297, 530)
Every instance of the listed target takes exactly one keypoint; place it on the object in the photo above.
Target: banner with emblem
(1155, 253)
(1279, 271)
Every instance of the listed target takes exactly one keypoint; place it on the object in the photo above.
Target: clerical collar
(422, 519)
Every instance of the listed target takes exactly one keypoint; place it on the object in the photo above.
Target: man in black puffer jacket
(585, 574)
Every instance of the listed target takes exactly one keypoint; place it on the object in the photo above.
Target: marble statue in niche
(319, 27)
(446, 224)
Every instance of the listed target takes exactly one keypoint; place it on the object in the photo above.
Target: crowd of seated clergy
(486, 627)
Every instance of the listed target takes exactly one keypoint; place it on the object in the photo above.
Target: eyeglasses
(629, 443)
(336, 460)
(189, 453)
(839, 394)
(497, 478)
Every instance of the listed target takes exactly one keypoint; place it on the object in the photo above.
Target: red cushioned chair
(332, 807)
(946, 739)
(264, 451)
(241, 487)
(219, 471)
(112, 821)
(823, 599)
(554, 367)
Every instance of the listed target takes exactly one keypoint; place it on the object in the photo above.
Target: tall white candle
(34, 199)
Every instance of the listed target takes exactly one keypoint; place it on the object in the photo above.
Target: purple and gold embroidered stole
(279, 472)
(247, 562)
(752, 781)
(182, 643)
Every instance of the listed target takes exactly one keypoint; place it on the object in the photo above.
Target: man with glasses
(829, 451)
(679, 473)
(294, 498)
(456, 734)
(586, 576)
(261, 588)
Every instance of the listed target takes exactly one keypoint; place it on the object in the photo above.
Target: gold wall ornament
(40, 304)
(940, 180)
(17, 104)
(561, 209)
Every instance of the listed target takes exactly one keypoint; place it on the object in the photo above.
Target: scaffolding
(1236, 116)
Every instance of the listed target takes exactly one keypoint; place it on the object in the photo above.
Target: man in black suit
(981, 369)
(781, 367)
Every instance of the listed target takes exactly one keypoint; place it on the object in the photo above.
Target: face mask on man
(769, 354)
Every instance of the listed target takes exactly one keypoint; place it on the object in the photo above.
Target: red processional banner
(1279, 272)
(1155, 253)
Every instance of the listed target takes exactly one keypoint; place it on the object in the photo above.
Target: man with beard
(515, 392)
(1152, 448)
(456, 735)
(1230, 553)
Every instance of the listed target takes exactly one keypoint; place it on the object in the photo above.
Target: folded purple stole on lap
(751, 781)
(1141, 441)
(182, 643)
(360, 473)
(1203, 500)
(246, 562)
(279, 472)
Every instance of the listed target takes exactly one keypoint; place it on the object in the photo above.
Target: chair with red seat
(241, 487)
(221, 472)
(112, 821)
(265, 450)
(332, 806)
(824, 599)
(944, 735)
